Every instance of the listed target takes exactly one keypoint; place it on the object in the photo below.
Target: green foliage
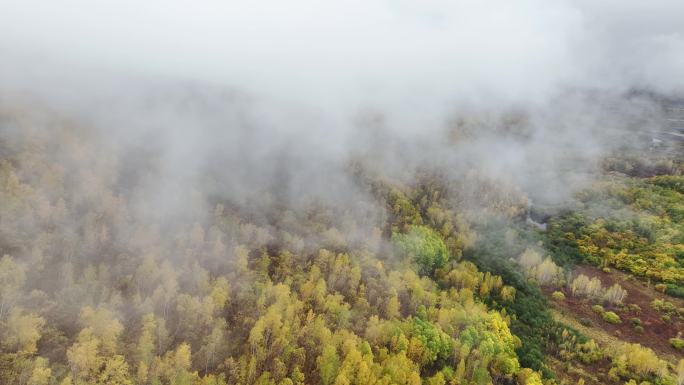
(677, 343)
(261, 292)
(661, 287)
(424, 246)
(437, 344)
(663, 306)
(611, 317)
(528, 377)
(530, 317)
(21, 332)
(271, 310)
(558, 296)
(648, 242)
(115, 372)
(405, 213)
(328, 365)
(673, 182)
(633, 361)
(560, 238)
(589, 352)
(674, 290)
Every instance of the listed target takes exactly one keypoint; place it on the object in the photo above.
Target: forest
(357, 192)
(425, 281)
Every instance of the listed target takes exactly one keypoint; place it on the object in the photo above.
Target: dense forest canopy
(119, 268)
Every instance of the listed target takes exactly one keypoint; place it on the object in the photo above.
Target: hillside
(434, 278)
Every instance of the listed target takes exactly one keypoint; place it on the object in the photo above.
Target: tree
(393, 307)
(399, 369)
(22, 331)
(174, 367)
(529, 258)
(529, 377)
(84, 356)
(102, 325)
(328, 364)
(297, 376)
(212, 343)
(615, 294)
(115, 372)
(434, 343)
(636, 361)
(41, 373)
(583, 286)
(357, 366)
(145, 349)
(546, 272)
(194, 316)
(12, 278)
(220, 293)
(425, 247)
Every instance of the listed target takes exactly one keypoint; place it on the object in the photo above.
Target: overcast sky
(361, 51)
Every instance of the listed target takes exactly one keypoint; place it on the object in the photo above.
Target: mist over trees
(377, 192)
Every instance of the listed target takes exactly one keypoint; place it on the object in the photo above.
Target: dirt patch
(657, 332)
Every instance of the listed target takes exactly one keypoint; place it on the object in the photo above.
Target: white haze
(264, 92)
(348, 53)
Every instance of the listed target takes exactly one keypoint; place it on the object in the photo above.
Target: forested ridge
(91, 294)
(431, 280)
(356, 192)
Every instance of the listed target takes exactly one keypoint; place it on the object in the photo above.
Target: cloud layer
(273, 95)
(351, 53)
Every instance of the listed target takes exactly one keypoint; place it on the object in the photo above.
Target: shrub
(589, 352)
(606, 270)
(675, 290)
(546, 272)
(664, 306)
(598, 309)
(635, 321)
(637, 362)
(586, 287)
(674, 182)
(634, 308)
(639, 329)
(585, 321)
(615, 294)
(677, 343)
(529, 258)
(611, 317)
(529, 377)
(558, 296)
(666, 318)
(661, 287)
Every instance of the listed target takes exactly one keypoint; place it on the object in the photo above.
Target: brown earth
(656, 334)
